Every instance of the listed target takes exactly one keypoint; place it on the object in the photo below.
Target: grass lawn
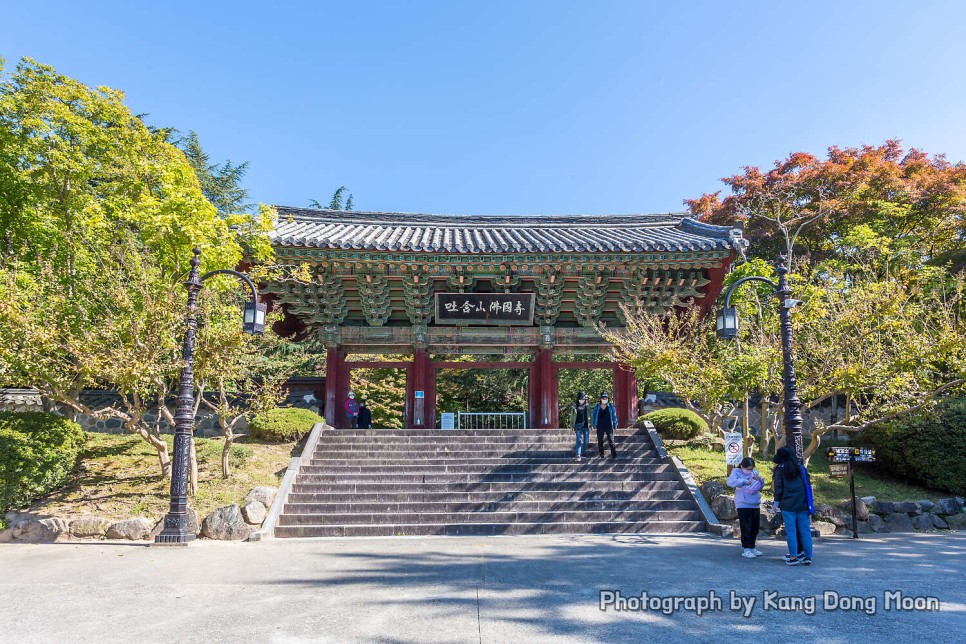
(119, 477)
(706, 465)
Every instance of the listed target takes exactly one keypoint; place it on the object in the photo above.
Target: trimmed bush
(38, 452)
(676, 423)
(926, 448)
(282, 424)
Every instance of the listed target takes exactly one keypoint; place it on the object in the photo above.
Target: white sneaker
(757, 552)
(748, 554)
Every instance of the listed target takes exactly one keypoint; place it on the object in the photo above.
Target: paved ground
(493, 589)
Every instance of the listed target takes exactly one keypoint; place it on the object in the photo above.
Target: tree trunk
(159, 445)
(226, 450)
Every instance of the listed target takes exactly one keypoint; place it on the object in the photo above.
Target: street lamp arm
(751, 278)
(241, 276)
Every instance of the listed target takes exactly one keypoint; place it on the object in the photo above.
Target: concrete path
(465, 589)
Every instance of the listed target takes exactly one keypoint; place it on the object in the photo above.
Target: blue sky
(515, 107)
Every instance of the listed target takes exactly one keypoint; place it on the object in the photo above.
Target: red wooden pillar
(424, 383)
(334, 365)
(533, 396)
(546, 390)
(342, 393)
(625, 394)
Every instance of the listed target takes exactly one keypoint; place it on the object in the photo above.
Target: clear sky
(514, 106)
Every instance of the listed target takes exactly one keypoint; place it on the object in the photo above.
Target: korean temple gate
(528, 286)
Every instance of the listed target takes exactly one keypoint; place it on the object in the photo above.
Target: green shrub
(927, 448)
(282, 424)
(38, 452)
(676, 423)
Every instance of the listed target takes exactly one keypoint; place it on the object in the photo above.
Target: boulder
(865, 527)
(89, 526)
(948, 506)
(898, 522)
(923, 523)
(956, 521)
(883, 507)
(824, 528)
(764, 524)
(724, 508)
(868, 500)
(192, 524)
(10, 516)
(254, 512)
(907, 507)
(926, 505)
(132, 529)
(40, 530)
(6, 536)
(861, 509)
(843, 531)
(264, 494)
(938, 522)
(825, 512)
(877, 524)
(226, 524)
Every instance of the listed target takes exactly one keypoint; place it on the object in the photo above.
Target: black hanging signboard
(500, 309)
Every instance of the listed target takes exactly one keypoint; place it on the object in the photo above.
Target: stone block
(89, 526)
(226, 524)
(724, 508)
(899, 522)
(132, 529)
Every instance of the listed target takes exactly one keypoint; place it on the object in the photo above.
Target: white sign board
(448, 420)
(733, 451)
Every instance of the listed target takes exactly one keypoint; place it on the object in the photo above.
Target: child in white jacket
(748, 483)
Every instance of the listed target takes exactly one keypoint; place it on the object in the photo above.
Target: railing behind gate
(491, 420)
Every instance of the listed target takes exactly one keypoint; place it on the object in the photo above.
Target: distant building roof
(395, 231)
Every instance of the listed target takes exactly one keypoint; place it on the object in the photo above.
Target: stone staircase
(482, 482)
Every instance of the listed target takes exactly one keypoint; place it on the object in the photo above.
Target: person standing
(604, 420)
(580, 421)
(351, 410)
(364, 421)
(748, 483)
(793, 497)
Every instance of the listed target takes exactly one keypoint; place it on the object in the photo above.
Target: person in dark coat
(793, 497)
(580, 421)
(364, 419)
(604, 420)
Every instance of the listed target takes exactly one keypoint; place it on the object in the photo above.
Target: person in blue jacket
(793, 497)
(604, 420)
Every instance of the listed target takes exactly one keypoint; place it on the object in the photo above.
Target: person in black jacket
(793, 497)
(364, 419)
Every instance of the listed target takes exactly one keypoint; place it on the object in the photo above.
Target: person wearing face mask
(580, 421)
(351, 410)
(604, 420)
(748, 483)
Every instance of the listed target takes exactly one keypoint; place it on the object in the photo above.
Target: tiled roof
(395, 231)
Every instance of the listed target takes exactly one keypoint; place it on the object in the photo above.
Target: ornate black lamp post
(727, 328)
(175, 530)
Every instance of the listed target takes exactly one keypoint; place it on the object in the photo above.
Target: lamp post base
(175, 532)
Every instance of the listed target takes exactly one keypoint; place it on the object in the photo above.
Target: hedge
(282, 424)
(927, 448)
(676, 423)
(38, 452)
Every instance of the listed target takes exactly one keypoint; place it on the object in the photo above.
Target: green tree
(220, 182)
(336, 202)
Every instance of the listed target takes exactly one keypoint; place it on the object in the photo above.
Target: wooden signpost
(842, 462)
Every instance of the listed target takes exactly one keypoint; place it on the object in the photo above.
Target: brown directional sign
(845, 454)
(838, 470)
(500, 309)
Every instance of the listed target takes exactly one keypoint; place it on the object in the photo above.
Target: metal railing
(491, 420)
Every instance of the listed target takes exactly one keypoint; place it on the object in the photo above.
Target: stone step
(621, 431)
(574, 516)
(390, 439)
(482, 529)
(624, 454)
(501, 505)
(589, 461)
(300, 487)
(461, 467)
(657, 490)
(495, 477)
